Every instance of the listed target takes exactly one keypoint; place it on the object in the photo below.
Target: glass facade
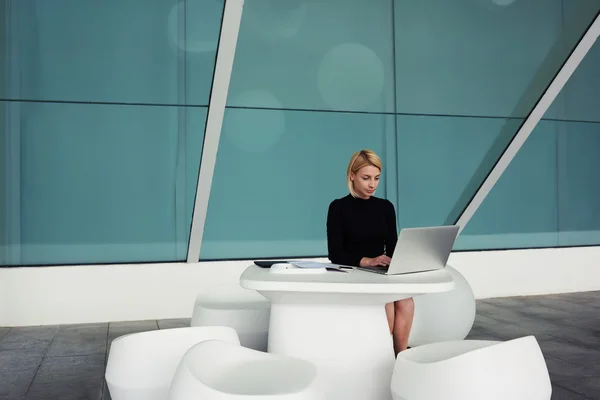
(103, 107)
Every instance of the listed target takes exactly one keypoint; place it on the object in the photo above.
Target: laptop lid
(423, 249)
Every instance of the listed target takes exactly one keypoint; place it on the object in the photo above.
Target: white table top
(354, 281)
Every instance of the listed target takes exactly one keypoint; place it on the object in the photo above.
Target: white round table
(337, 320)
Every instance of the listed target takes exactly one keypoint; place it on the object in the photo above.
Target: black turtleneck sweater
(358, 228)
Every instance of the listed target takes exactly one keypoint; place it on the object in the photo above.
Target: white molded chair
(141, 366)
(472, 370)
(217, 370)
(247, 311)
(445, 316)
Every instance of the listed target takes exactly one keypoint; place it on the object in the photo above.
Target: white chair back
(247, 311)
(472, 370)
(141, 366)
(218, 370)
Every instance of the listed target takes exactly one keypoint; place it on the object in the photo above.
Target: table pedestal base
(350, 344)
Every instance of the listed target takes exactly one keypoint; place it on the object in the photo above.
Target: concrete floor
(67, 362)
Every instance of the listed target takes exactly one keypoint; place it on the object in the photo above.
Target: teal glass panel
(436, 158)
(578, 194)
(104, 183)
(103, 107)
(452, 85)
(547, 196)
(578, 160)
(473, 57)
(131, 51)
(579, 97)
(315, 55)
(276, 173)
(522, 209)
(481, 59)
(3, 122)
(311, 84)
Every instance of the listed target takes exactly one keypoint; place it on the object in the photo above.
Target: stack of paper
(313, 264)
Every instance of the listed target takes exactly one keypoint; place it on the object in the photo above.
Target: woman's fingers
(384, 260)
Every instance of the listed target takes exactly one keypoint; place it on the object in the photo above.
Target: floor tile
(589, 387)
(173, 323)
(560, 393)
(579, 355)
(506, 329)
(3, 331)
(561, 370)
(105, 393)
(69, 378)
(578, 336)
(78, 340)
(17, 369)
(531, 309)
(588, 299)
(571, 326)
(29, 338)
(520, 322)
(559, 303)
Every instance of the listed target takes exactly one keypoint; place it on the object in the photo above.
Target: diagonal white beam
(556, 85)
(230, 26)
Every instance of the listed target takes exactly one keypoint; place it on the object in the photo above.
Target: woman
(361, 231)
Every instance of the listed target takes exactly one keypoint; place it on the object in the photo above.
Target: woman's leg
(390, 311)
(404, 311)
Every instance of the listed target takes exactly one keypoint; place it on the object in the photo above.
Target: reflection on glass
(436, 158)
(578, 193)
(316, 55)
(270, 199)
(101, 183)
(472, 57)
(132, 51)
(573, 23)
(522, 209)
(546, 197)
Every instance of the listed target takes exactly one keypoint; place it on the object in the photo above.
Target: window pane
(276, 173)
(130, 51)
(315, 55)
(472, 57)
(460, 79)
(578, 161)
(521, 211)
(579, 193)
(102, 113)
(480, 58)
(436, 159)
(547, 196)
(100, 183)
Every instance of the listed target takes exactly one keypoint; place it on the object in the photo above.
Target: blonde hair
(357, 161)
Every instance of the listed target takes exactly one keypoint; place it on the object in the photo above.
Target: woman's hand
(382, 260)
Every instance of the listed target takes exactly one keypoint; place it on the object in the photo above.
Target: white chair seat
(217, 370)
(244, 310)
(446, 316)
(472, 370)
(141, 366)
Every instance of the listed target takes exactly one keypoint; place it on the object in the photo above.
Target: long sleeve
(335, 238)
(392, 232)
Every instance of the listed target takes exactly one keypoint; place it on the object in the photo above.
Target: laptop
(419, 250)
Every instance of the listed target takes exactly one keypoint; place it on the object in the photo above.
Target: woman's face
(365, 181)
